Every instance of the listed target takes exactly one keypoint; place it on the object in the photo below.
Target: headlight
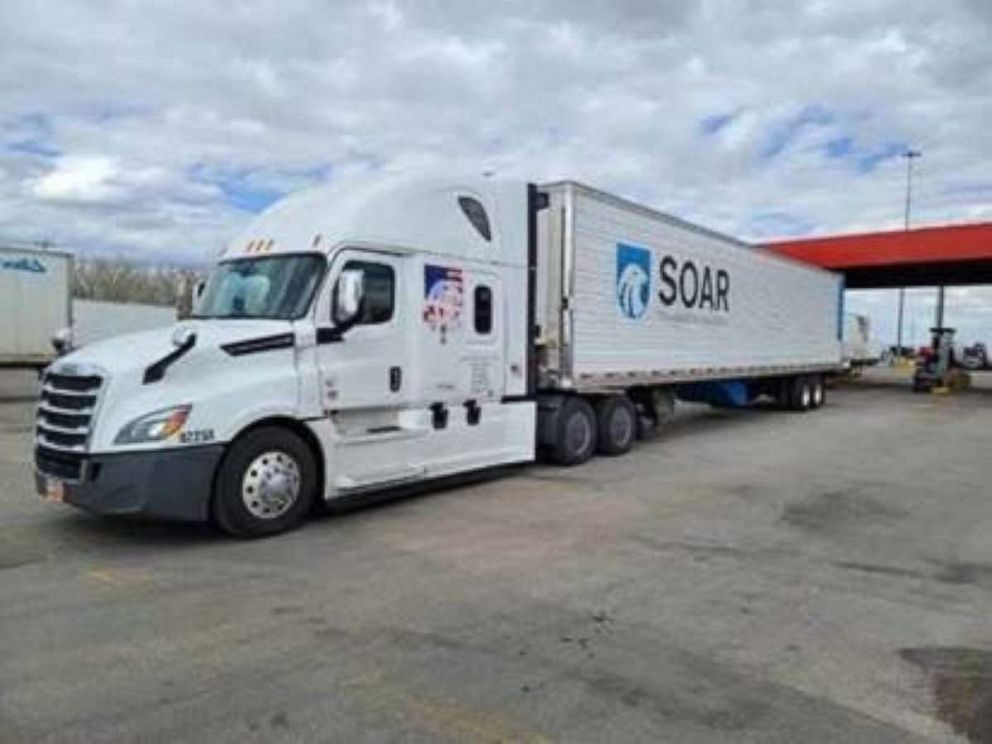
(155, 426)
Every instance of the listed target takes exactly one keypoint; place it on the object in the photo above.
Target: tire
(616, 425)
(266, 484)
(575, 438)
(801, 394)
(819, 392)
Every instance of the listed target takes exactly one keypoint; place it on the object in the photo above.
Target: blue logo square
(633, 280)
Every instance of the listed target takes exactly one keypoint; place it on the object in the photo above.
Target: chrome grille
(64, 421)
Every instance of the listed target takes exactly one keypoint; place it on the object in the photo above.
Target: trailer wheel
(575, 439)
(819, 391)
(801, 394)
(617, 425)
(266, 484)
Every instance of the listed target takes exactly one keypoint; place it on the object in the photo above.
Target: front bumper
(167, 484)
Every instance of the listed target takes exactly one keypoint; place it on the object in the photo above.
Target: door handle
(395, 379)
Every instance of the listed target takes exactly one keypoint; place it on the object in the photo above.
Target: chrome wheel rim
(806, 396)
(818, 395)
(271, 485)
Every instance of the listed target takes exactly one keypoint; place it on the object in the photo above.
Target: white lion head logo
(632, 290)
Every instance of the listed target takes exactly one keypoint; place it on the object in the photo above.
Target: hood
(136, 351)
(145, 372)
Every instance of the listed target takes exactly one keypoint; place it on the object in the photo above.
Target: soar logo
(633, 280)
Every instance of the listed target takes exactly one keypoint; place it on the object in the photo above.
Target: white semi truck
(35, 305)
(415, 329)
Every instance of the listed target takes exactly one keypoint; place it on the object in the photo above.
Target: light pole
(910, 156)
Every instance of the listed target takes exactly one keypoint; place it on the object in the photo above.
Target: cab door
(365, 370)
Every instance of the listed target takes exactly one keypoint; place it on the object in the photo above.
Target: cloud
(157, 130)
(79, 178)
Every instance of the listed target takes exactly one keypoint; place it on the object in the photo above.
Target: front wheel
(266, 484)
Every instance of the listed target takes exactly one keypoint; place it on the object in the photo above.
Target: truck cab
(345, 341)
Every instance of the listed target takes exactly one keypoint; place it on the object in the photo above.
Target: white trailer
(858, 351)
(636, 302)
(358, 338)
(35, 304)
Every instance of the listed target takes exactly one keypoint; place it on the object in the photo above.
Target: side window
(379, 291)
(476, 214)
(483, 310)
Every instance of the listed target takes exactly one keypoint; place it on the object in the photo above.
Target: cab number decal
(196, 436)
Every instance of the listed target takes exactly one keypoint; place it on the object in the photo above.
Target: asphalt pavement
(748, 576)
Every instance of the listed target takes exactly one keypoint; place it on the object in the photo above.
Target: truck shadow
(700, 418)
(381, 499)
(98, 531)
(80, 527)
(75, 529)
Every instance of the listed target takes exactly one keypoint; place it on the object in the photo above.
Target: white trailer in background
(858, 350)
(359, 337)
(35, 304)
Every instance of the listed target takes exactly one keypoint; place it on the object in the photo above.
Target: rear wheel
(819, 391)
(617, 425)
(801, 394)
(266, 484)
(575, 439)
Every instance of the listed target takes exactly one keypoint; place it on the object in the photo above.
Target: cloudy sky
(155, 129)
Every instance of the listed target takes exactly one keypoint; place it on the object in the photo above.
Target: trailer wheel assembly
(266, 484)
(575, 438)
(616, 423)
(819, 391)
(801, 394)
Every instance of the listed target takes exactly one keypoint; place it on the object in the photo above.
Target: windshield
(272, 287)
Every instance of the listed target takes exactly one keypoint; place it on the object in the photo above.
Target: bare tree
(120, 281)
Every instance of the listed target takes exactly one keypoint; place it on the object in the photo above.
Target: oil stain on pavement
(837, 511)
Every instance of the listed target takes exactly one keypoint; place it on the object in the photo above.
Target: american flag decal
(444, 293)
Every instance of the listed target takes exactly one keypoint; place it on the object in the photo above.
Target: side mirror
(198, 289)
(349, 292)
(62, 341)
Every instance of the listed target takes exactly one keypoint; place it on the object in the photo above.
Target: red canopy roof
(953, 254)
